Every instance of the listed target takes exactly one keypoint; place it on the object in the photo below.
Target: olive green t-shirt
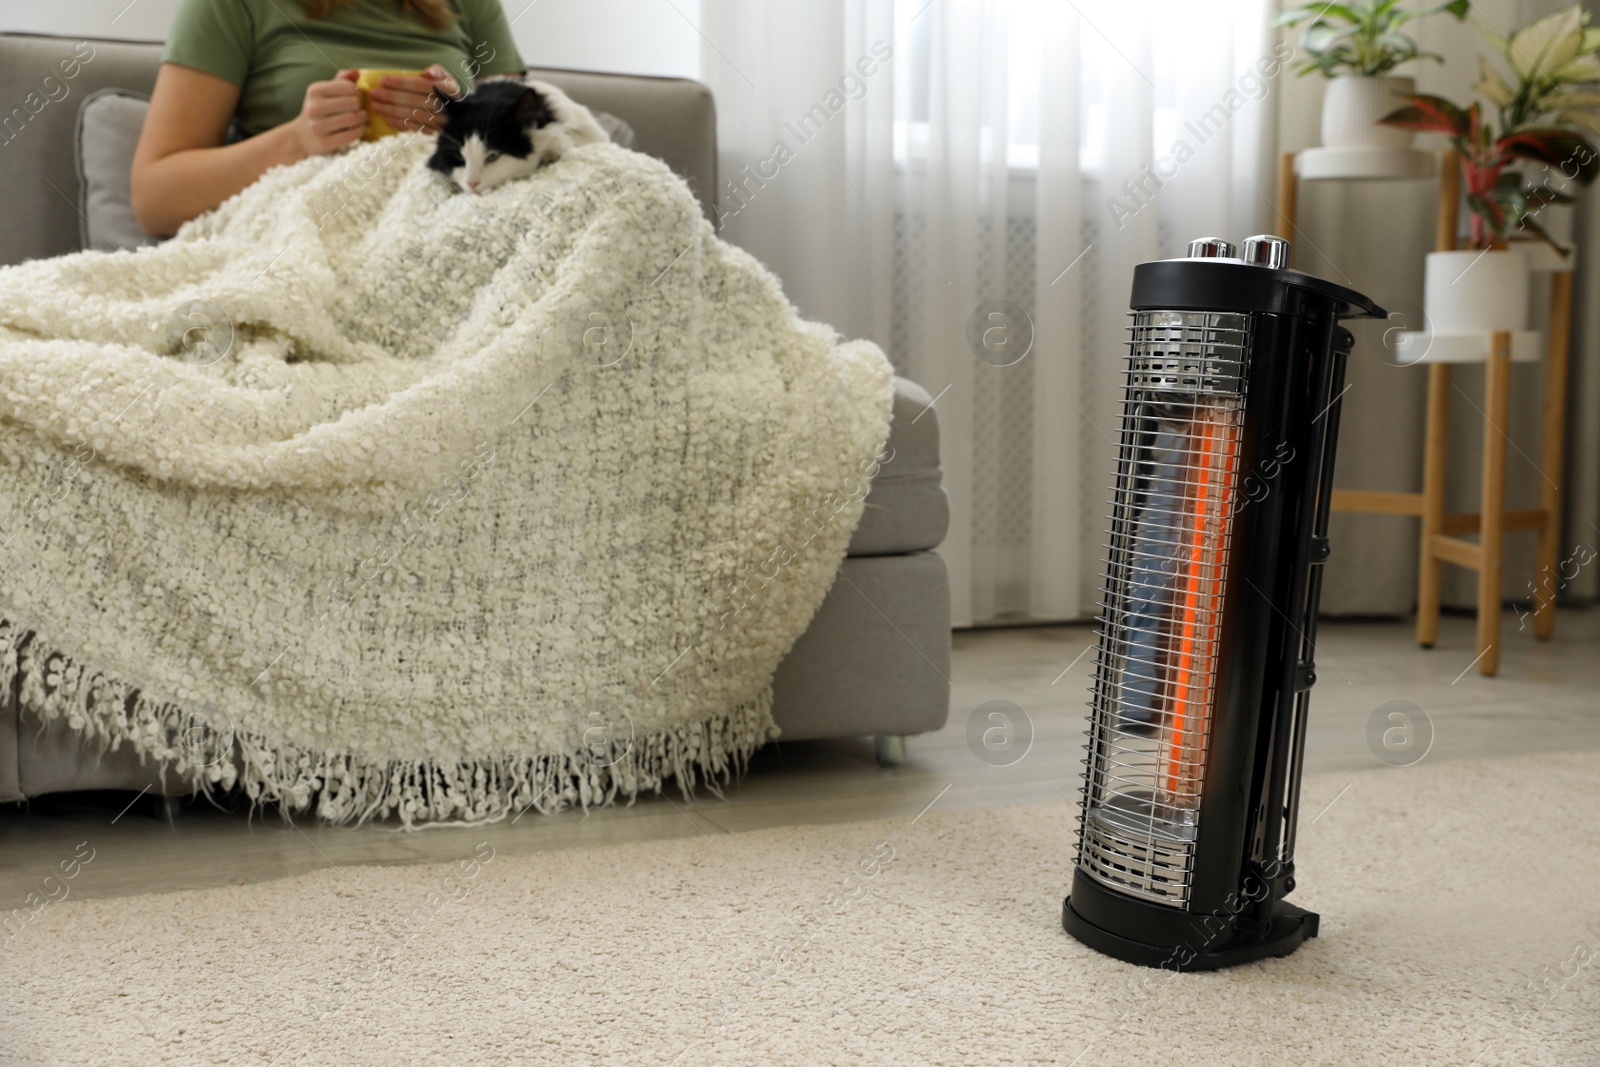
(272, 50)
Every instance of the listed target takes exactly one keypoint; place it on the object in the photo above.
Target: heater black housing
(1206, 642)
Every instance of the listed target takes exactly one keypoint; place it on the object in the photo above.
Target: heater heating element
(1218, 524)
(1169, 545)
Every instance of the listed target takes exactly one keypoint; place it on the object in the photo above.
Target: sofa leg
(890, 750)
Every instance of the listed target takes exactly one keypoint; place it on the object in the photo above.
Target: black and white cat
(508, 128)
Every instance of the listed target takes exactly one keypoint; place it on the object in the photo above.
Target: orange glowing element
(1214, 446)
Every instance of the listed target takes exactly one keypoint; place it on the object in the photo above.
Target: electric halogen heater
(1219, 525)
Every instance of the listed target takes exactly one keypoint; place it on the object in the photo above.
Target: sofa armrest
(907, 509)
(43, 80)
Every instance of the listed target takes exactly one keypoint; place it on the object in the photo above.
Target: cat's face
(488, 136)
(476, 166)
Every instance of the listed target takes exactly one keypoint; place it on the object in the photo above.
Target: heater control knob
(1210, 248)
(1265, 250)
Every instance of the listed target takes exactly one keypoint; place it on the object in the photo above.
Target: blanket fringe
(202, 749)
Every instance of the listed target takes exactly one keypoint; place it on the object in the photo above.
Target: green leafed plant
(1542, 118)
(1362, 38)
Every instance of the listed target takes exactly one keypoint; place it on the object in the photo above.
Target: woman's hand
(408, 102)
(331, 116)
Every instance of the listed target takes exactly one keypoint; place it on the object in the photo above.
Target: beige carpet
(1461, 925)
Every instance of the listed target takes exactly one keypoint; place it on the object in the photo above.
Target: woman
(286, 71)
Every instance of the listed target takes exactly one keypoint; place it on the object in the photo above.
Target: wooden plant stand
(1441, 539)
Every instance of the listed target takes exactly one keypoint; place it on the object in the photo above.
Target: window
(1171, 53)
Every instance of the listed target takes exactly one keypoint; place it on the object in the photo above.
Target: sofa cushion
(109, 123)
(907, 509)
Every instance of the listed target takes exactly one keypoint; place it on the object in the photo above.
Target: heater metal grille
(1137, 862)
(1160, 626)
(1195, 352)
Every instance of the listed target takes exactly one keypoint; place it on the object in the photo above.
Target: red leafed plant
(1537, 116)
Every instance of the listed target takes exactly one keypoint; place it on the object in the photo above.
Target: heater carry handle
(1330, 355)
(1343, 345)
(1230, 285)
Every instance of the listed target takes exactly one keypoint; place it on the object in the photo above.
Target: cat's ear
(533, 110)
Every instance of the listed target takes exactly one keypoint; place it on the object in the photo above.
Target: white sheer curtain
(1014, 158)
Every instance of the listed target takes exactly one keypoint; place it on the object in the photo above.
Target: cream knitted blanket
(382, 500)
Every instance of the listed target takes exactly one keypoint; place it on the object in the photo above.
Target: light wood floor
(1547, 698)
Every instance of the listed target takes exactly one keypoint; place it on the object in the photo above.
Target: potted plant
(1541, 110)
(1356, 46)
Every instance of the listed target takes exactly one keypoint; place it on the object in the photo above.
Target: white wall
(630, 36)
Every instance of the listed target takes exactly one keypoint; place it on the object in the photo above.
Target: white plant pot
(1354, 103)
(1476, 292)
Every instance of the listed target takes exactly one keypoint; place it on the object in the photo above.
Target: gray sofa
(875, 661)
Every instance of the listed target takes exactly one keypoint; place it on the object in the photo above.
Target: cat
(507, 128)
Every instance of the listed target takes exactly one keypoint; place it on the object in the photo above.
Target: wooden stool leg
(1492, 529)
(1288, 198)
(1555, 429)
(1435, 454)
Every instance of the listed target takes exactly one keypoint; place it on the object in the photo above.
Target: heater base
(1290, 927)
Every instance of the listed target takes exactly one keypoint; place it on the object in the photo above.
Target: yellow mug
(367, 80)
